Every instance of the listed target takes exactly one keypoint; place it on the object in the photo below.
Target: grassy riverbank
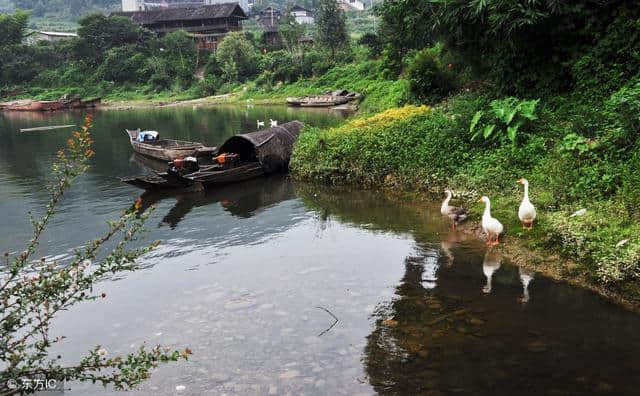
(417, 151)
(365, 77)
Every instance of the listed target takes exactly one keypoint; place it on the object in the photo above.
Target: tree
(99, 33)
(236, 54)
(34, 292)
(181, 55)
(523, 46)
(291, 33)
(404, 25)
(331, 27)
(12, 28)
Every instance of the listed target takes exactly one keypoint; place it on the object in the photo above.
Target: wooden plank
(46, 128)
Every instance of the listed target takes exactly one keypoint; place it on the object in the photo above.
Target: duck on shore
(490, 225)
(526, 212)
(456, 214)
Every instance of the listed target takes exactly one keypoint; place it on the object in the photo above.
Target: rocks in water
(289, 374)
(238, 304)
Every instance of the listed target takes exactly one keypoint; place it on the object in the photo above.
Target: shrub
(124, 63)
(413, 144)
(503, 121)
(625, 105)
(630, 190)
(373, 42)
(429, 80)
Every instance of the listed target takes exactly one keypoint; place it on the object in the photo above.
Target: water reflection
(442, 334)
(525, 277)
(490, 264)
(243, 199)
(449, 339)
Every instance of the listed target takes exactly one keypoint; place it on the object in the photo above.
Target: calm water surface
(245, 274)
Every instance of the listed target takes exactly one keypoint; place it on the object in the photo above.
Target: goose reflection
(490, 264)
(452, 240)
(525, 278)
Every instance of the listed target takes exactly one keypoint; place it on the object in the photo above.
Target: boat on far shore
(50, 105)
(329, 99)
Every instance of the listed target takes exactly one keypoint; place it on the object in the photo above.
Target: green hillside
(58, 14)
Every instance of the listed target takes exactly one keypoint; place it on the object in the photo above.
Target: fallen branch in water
(334, 323)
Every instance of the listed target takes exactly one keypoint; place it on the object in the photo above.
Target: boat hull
(328, 100)
(208, 176)
(168, 149)
(49, 105)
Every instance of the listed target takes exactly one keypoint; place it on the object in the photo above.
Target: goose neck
(487, 209)
(445, 203)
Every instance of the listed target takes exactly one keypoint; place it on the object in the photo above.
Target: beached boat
(329, 99)
(90, 103)
(241, 157)
(49, 105)
(166, 149)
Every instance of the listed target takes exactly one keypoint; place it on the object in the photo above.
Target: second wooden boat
(329, 99)
(167, 149)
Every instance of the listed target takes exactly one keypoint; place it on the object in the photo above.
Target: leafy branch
(33, 292)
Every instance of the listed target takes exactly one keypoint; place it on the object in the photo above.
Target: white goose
(490, 225)
(274, 123)
(527, 212)
(490, 264)
(456, 214)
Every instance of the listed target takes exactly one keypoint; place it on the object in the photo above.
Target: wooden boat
(90, 103)
(24, 105)
(254, 154)
(167, 149)
(207, 176)
(49, 105)
(329, 99)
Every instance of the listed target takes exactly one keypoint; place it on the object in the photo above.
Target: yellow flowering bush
(383, 119)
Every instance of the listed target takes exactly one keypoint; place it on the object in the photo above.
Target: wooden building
(270, 18)
(207, 24)
(35, 36)
(301, 14)
(351, 5)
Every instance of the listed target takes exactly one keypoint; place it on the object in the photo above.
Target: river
(251, 276)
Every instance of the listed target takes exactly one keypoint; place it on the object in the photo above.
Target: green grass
(362, 77)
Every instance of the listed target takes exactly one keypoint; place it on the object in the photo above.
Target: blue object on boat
(147, 136)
